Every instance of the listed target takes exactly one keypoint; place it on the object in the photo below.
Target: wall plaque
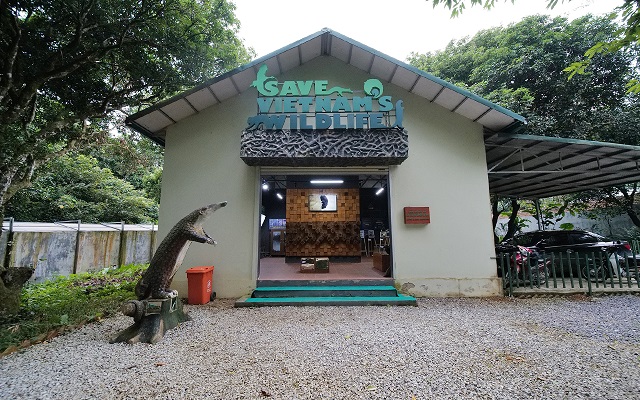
(417, 215)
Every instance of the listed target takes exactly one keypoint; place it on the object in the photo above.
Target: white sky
(393, 27)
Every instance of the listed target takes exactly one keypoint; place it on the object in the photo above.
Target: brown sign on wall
(417, 215)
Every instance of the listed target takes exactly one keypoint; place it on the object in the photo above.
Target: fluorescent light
(262, 218)
(379, 191)
(327, 181)
(279, 196)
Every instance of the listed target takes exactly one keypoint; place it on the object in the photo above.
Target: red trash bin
(200, 284)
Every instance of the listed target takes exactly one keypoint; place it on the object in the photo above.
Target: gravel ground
(553, 348)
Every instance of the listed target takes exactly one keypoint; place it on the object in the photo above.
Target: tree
(76, 187)
(129, 156)
(521, 67)
(67, 65)
(623, 38)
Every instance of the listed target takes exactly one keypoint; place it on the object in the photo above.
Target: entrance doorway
(340, 219)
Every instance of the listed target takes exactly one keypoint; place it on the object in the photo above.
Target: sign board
(417, 215)
(316, 105)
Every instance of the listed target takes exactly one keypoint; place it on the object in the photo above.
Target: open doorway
(340, 219)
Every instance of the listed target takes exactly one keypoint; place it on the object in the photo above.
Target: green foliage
(552, 210)
(622, 40)
(51, 307)
(129, 156)
(67, 66)
(75, 187)
(521, 67)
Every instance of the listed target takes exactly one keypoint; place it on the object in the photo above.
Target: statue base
(153, 317)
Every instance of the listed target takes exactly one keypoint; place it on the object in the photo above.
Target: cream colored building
(445, 170)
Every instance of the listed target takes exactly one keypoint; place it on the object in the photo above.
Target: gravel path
(558, 348)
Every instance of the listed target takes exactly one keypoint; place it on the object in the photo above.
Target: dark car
(593, 256)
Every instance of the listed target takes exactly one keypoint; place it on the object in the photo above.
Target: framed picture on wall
(323, 202)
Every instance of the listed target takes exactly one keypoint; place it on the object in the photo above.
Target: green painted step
(324, 291)
(400, 299)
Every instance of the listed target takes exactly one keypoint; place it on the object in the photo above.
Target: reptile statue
(158, 308)
(169, 256)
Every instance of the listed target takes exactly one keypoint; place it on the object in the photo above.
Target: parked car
(579, 252)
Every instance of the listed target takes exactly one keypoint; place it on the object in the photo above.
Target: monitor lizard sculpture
(158, 309)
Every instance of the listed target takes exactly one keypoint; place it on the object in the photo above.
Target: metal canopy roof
(518, 165)
(153, 121)
(527, 166)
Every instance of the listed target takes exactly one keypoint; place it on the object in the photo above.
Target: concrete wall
(446, 171)
(202, 165)
(51, 253)
(64, 252)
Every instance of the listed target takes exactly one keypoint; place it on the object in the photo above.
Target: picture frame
(323, 202)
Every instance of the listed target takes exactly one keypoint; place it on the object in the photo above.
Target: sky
(394, 27)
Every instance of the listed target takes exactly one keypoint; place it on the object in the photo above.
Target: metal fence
(580, 272)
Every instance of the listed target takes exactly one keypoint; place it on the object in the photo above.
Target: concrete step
(324, 291)
(326, 282)
(326, 295)
(399, 300)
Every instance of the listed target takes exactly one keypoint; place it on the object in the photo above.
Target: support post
(539, 215)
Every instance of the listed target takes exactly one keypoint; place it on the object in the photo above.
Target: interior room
(324, 227)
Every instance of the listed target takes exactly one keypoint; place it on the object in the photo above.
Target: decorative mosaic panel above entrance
(326, 148)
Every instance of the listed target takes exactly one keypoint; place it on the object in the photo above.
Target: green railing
(588, 272)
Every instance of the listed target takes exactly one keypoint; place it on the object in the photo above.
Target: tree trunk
(512, 227)
(11, 282)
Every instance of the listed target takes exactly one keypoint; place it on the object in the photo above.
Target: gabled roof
(153, 121)
(521, 166)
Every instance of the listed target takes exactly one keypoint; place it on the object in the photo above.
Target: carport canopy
(535, 167)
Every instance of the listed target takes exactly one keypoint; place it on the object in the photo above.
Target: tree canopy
(76, 187)
(521, 68)
(66, 65)
(622, 38)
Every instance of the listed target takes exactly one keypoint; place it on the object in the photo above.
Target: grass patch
(50, 308)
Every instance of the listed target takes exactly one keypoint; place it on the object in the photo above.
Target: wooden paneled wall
(323, 233)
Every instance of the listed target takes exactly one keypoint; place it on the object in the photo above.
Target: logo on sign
(302, 105)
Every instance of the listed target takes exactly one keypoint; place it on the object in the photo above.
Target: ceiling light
(326, 181)
(279, 196)
(379, 191)
(265, 186)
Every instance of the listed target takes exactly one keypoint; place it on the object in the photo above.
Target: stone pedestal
(153, 317)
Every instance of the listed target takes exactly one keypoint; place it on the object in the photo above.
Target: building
(401, 153)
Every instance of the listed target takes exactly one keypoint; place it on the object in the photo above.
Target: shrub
(67, 302)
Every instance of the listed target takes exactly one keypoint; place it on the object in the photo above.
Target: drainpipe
(539, 215)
